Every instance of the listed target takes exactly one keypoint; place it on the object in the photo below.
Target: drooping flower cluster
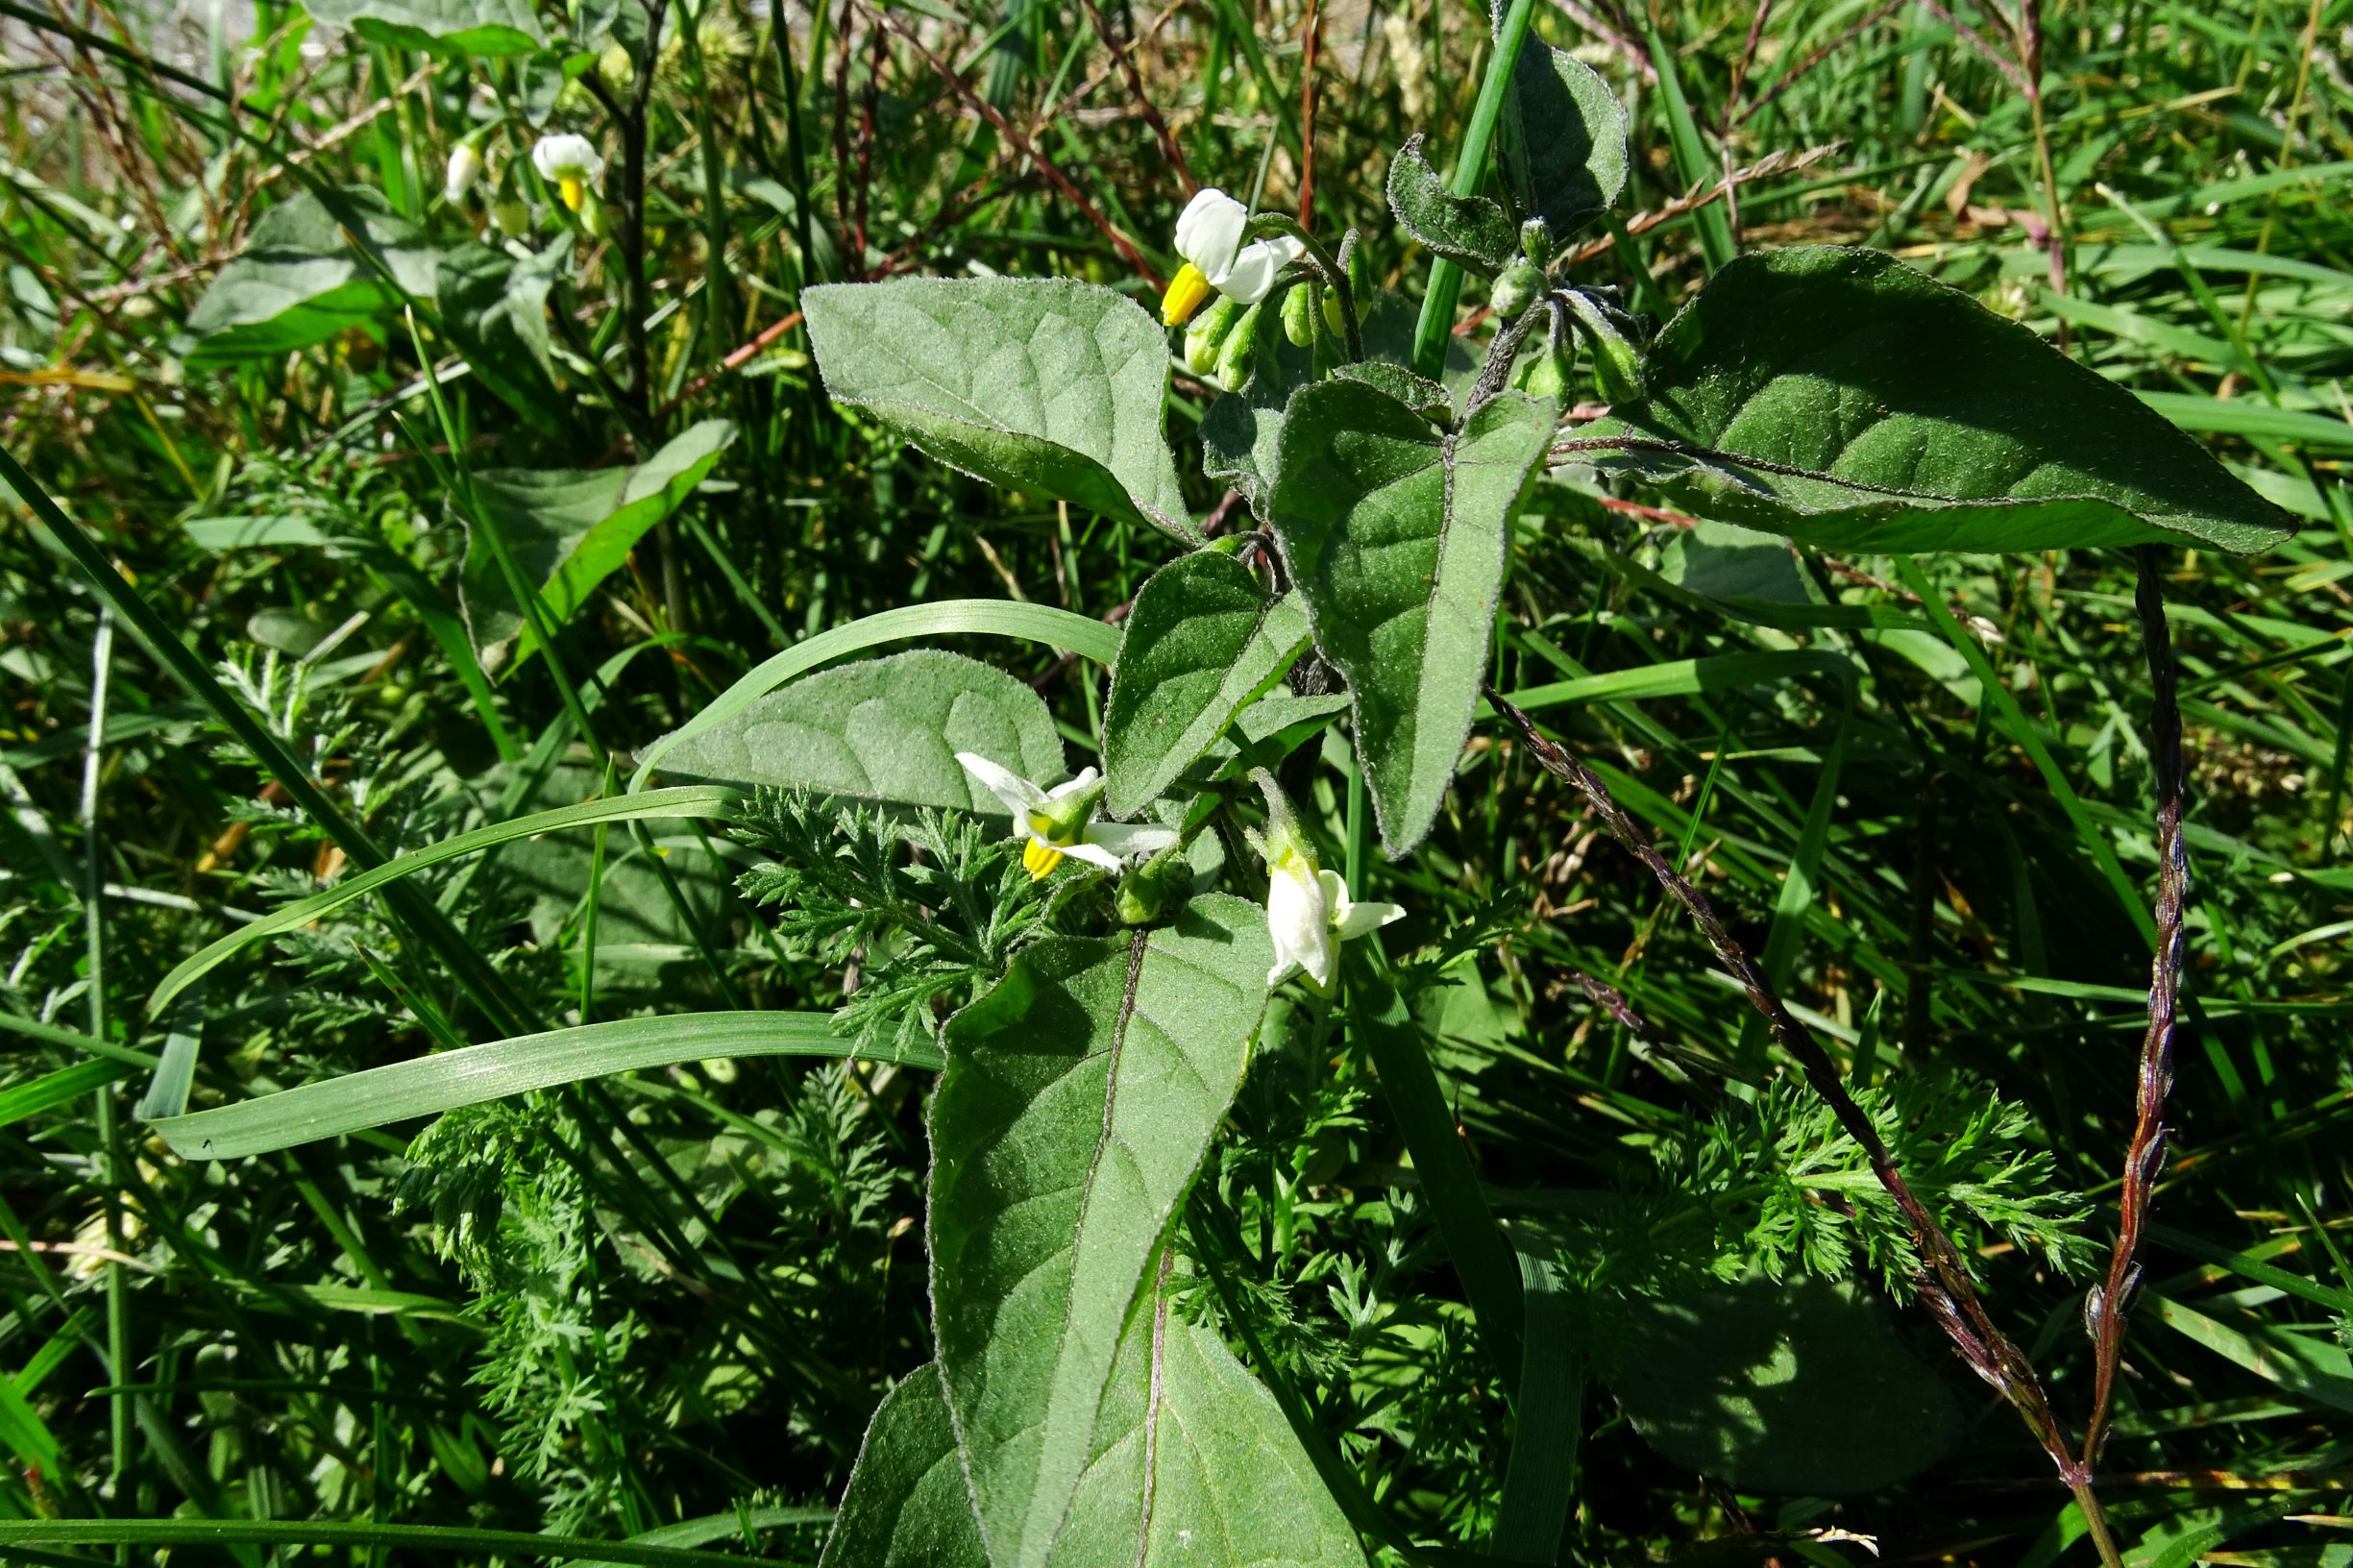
(1061, 820)
(1209, 236)
(1308, 912)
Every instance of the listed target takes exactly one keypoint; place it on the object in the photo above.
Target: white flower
(465, 167)
(571, 162)
(1309, 912)
(1057, 821)
(1209, 236)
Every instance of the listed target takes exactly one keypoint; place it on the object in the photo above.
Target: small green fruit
(1519, 288)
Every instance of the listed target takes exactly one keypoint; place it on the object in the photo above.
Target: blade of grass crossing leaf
(688, 800)
(1082, 635)
(1437, 318)
(430, 1084)
(2012, 721)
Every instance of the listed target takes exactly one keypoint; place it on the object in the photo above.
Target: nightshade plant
(1091, 1000)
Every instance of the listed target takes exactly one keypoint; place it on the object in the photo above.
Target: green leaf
(1049, 386)
(1424, 396)
(427, 1086)
(569, 530)
(473, 27)
(1561, 144)
(1797, 1385)
(1724, 561)
(906, 1505)
(1472, 231)
(1195, 1466)
(1082, 635)
(1395, 533)
(1079, 1099)
(1203, 640)
(494, 308)
(1842, 398)
(882, 729)
(299, 281)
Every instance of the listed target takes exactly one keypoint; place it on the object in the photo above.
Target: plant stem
(1437, 317)
(1946, 1288)
(2108, 1305)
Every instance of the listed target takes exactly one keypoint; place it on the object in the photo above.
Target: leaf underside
(1049, 386)
(1079, 1099)
(1395, 534)
(1203, 640)
(881, 729)
(1471, 231)
(1840, 396)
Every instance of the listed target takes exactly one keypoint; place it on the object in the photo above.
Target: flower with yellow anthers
(1308, 912)
(1059, 822)
(571, 162)
(1209, 236)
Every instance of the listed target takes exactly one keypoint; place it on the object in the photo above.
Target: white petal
(1093, 854)
(1254, 270)
(1209, 231)
(1085, 780)
(1015, 794)
(465, 167)
(567, 158)
(1130, 840)
(1362, 920)
(1299, 919)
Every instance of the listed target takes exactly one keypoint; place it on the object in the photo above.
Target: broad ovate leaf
(302, 278)
(569, 529)
(472, 27)
(880, 729)
(1194, 1465)
(906, 1505)
(1840, 396)
(1561, 141)
(1049, 386)
(1203, 640)
(1079, 1098)
(1396, 535)
(1471, 231)
(1789, 1386)
(495, 309)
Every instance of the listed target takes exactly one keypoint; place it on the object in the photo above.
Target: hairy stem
(2108, 1305)
(1946, 1288)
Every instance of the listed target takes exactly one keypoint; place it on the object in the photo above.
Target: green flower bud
(1299, 315)
(1154, 889)
(1208, 334)
(1518, 288)
(1236, 355)
(1616, 364)
(1545, 374)
(1537, 241)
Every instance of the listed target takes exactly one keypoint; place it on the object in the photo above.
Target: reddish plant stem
(1946, 1288)
(1309, 48)
(1028, 149)
(2107, 1308)
(1144, 100)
